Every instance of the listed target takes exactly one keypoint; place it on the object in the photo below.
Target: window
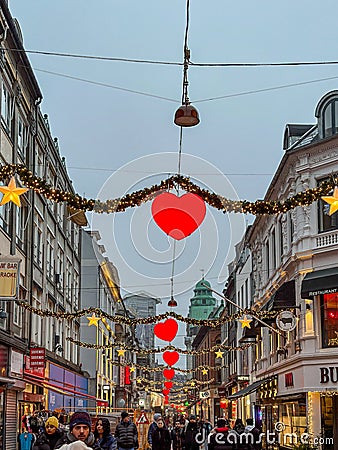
(329, 316)
(21, 224)
(59, 268)
(36, 319)
(22, 138)
(326, 222)
(17, 315)
(50, 255)
(273, 249)
(6, 108)
(39, 162)
(267, 259)
(38, 240)
(330, 118)
(4, 216)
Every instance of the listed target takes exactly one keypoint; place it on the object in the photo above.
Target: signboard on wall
(16, 363)
(9, 277)
(37, 357)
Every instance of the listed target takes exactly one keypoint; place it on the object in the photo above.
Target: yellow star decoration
(332, 201)
(192, 383)
(219, 354)
(245, 322)
(139, 380)
(93, 320)
(205, 372)
(121, 352)
(11, 193)
(132, 369)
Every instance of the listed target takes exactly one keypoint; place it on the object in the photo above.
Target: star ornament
(11, 193)
(132, 369)
(332, 201)
(121, 352)
(219, 354)
(245, 322)
(93, 320)
(205, 372)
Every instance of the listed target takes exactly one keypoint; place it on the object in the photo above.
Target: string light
(212, 323)
(136, 198)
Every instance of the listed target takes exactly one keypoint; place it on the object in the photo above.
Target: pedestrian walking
(256, 434)
(219, 438)
(178, 436)
(104, 440)
(126, 433)
(152, 426)
(161, 439)
(191, 433)
(79, 430)
(50, 437)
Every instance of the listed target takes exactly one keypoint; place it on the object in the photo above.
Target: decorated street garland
(136, 198)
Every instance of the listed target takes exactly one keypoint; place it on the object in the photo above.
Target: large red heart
(166, 330)
(169, 374)
(178, 216)
(168, 384)
(171, 358)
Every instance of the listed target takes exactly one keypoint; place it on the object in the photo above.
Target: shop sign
(286, 321)
(16, 363)
(102, 403)
(9, 276)
(243, 378)
(35, 371)
(35, 398)
(328, 374)
(204, 395)
(322, 292)
(37, 357)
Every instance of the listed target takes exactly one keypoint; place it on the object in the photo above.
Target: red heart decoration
(169, 373)
(178, 216)
(166, 391)
(170, 358)
(166, 330)
(166, 400)
(168, 384)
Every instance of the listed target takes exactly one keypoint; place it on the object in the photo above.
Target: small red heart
(170, 358)
(165, 391)
(166, 330)
(166, 400)
(178, 216)
(169, 374)
(168, 384)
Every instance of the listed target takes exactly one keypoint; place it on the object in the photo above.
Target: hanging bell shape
(172, 302)
(186, 116)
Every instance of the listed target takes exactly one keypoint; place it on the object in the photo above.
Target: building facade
(294, 268)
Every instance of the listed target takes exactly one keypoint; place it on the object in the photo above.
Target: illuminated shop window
(329, 312)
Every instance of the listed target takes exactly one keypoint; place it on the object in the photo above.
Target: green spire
(202, 303)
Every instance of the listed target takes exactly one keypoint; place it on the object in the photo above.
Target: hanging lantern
(172, 303)
(186, 116)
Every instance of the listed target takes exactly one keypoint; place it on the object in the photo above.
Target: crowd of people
(183, 434)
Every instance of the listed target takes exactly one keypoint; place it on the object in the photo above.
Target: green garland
(136, 198)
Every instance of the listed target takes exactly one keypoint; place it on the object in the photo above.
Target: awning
(249, 389)
(320, 282)
(285, 296)
(12, 383)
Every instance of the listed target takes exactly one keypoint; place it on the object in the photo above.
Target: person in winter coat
(219, 437)
(77, 445)
(79, 430)
(161, 439)
(178, 435)
(50, 437)
(104, 440)
(153, 425)
(126, 433)
(191, 433)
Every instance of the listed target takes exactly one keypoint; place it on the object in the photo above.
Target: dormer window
(330, 118)
(327, 115)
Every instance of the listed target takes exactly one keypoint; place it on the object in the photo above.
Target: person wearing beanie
(191, 433)
(126, 433)
(219, 438)
(79, 430)
(152, 427)
(50, 437)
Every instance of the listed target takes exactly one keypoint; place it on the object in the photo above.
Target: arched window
(330, 118)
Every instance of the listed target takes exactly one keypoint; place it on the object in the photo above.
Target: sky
(116, 141)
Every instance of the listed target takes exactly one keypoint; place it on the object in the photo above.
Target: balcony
(327, 239)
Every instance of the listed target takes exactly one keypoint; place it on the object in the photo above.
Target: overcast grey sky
(101, 129)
